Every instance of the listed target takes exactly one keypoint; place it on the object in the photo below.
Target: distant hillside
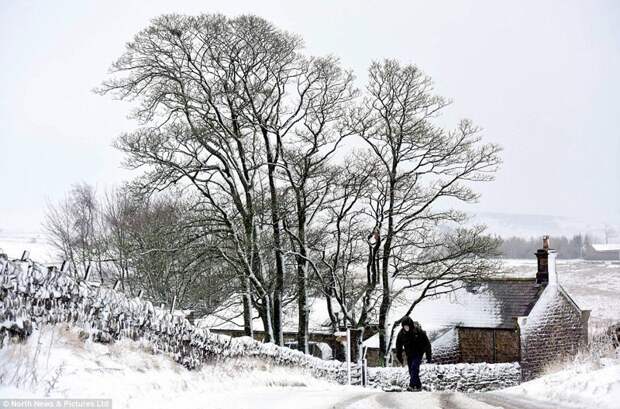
(532, 225)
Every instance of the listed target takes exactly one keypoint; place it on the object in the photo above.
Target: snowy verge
(586, 385)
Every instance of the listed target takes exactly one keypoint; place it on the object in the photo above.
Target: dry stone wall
(460, 377)
(32, 294)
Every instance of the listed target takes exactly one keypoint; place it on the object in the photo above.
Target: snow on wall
(32, 295)
(459, 377)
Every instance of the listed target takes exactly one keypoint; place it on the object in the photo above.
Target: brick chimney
(546, 263)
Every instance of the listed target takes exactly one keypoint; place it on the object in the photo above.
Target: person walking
(413, 340)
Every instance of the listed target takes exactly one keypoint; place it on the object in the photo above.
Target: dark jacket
(414, 342)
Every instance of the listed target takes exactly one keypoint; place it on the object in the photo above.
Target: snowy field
(594, 285)
(14, 244)
(55, 363)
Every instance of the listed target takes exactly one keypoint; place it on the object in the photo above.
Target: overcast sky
(541, 78)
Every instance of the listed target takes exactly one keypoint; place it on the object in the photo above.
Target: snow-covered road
(356, 398)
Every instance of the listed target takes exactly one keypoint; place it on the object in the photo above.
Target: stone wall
(32, 295)
(459, 377)
(555, 328)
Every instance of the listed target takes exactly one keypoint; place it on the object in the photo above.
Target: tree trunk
(247, 308)
(277, 242)
(386, 299)
(302, 303)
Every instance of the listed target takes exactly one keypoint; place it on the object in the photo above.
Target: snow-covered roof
(231, 318)
(606, 247)
(488, 304)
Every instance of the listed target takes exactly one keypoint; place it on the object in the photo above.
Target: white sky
(540, 77)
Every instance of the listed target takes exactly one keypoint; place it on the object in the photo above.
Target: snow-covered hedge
(456, 377)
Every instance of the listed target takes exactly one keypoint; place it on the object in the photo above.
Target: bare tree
(419, 165)
(235, 114)
(73, 227)
(117, 211)
(305, 163)
(218, 97)
(341, 253)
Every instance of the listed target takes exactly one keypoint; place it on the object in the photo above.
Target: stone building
(556, 327)
(323, 343)
(528, 320)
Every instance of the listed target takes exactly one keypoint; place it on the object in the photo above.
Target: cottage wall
(446, 349)
(554, 329)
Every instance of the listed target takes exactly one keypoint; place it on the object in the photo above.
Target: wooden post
(140, 293)
(63, 266)
(116, 284)
(174, 304)
(25, 255)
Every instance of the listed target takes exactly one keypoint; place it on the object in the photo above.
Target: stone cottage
(527, 320)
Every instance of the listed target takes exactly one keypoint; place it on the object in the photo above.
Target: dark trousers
(414, 371)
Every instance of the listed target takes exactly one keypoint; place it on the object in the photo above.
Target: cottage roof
(492, 303)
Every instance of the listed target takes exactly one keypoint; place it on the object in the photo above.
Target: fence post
(364, 367)
(25, 255)
(349, 356)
